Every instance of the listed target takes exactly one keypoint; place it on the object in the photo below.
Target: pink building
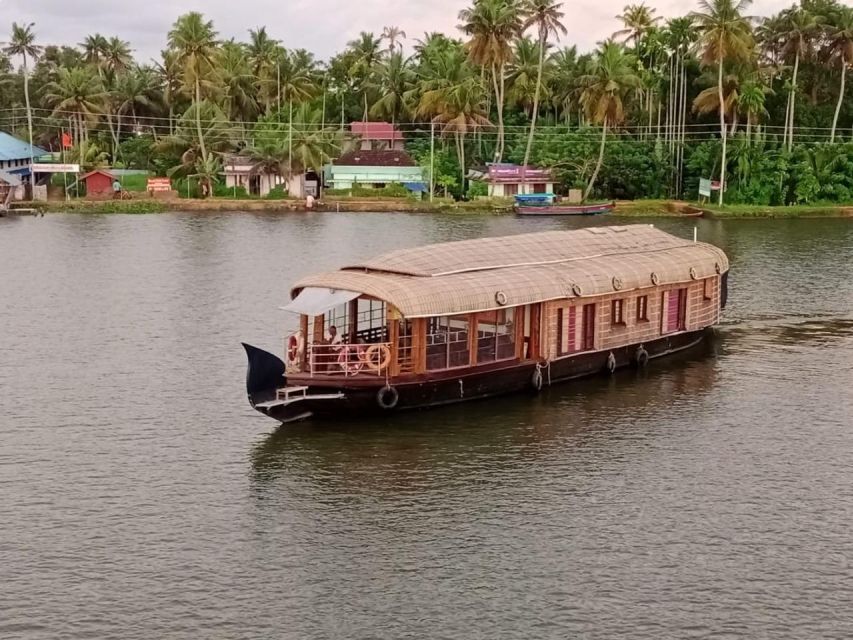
(378, 136)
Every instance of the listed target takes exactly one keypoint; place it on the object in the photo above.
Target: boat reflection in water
(421, 448)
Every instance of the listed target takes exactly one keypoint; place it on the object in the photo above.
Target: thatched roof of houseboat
(466, 276)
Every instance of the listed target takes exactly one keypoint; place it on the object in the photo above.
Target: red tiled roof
(376, 131)
(373, 158)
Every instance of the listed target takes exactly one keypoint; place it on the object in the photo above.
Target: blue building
(15, 158)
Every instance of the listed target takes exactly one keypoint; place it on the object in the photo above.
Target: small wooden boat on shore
(544, 204)
(458, 321)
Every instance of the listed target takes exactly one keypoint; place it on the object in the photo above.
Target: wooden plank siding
(701, 312)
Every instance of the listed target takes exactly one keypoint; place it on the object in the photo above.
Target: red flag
(66, 141)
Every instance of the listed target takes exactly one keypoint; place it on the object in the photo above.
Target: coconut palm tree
(116, 56)
(238, 81)
(750, 101)
(638, 19)
(77, 92)
(394, 78)
(546, 17)
(94, 47)
(170, 80)
(800, 29)
(23, 44)
(138, 88)
(725, 35)
(840, 36)
(566, 69)
(194, 40)
(367, 54)
(522, 75)
(604, 90)
(492, 25)
(394, 36)
(263, 52)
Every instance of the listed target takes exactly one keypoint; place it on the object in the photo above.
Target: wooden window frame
(617, 312)
(642, 308)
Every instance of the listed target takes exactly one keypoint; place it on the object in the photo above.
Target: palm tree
(23, 43)
(492, 25)
(116, 55)
(139, 88)
(546, 16)
(725, 35)
(394, 36)
(604, 89)
(522, 74)
(94, 47)
(76, 91)
(194, 40)
(238, 82)
(366, 56)
(638, 19)
(800, 28)
(263, 53)
(565, 72)
(394, 79)
(840, 35)
(750, 101)
(170, 80)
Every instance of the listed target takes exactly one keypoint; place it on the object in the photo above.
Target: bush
(477, 189)
(235, 193)
(278, 192)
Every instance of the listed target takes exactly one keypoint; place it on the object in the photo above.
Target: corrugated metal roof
(462, 277)
(11, 148)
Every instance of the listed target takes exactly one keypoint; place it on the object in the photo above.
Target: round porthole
(655, 278)
(693, 274)
(617, 283)
(717, 267)
(500, 298)
(577, 290)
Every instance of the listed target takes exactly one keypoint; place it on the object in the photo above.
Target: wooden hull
(360, 395)
(565, 210)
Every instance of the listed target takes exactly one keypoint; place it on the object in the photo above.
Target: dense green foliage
(763, 104)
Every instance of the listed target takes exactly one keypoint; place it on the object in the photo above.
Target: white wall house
(507, 180)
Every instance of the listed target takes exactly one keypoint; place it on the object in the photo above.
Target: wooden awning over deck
(466, 276)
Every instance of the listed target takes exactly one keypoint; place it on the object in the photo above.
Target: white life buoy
(377, 357)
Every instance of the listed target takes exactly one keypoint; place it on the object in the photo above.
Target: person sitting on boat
(334, 337)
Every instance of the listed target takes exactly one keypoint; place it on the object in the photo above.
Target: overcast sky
(321, 26)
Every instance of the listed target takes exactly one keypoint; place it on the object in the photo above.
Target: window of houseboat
(495, 335)
(643, 308)
(675, 311)
(447, 342)
(566, 330)
(617, 312)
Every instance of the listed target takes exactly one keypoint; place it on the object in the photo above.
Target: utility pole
(431, 159)
(278, 89)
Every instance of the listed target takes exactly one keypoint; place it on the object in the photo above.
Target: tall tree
(78, 95)
(546, 17)
(840, 35)
(800, 28)
(492, 25)
(604, 90)
(395, 37)
(394, 78)
(638, 19)
(23, 44)
(367, 53)
(725, 35)
(194, 40)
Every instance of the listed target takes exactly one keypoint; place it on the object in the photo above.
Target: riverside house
(507, 180)
(15, 155)
(380, 160)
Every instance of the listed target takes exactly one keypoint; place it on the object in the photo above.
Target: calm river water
(141, 497)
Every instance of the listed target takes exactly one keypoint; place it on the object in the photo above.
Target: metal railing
(350, 360)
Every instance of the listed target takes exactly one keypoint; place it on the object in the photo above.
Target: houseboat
(458, 321)
(545, 204)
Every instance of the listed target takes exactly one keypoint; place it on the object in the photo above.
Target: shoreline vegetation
(756, 110)
(624, 209)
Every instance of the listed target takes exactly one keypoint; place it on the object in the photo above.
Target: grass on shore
(762, 211)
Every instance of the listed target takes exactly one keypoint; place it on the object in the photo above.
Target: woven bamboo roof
(466, 276)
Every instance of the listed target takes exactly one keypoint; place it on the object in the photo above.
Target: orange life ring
(377, 356)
